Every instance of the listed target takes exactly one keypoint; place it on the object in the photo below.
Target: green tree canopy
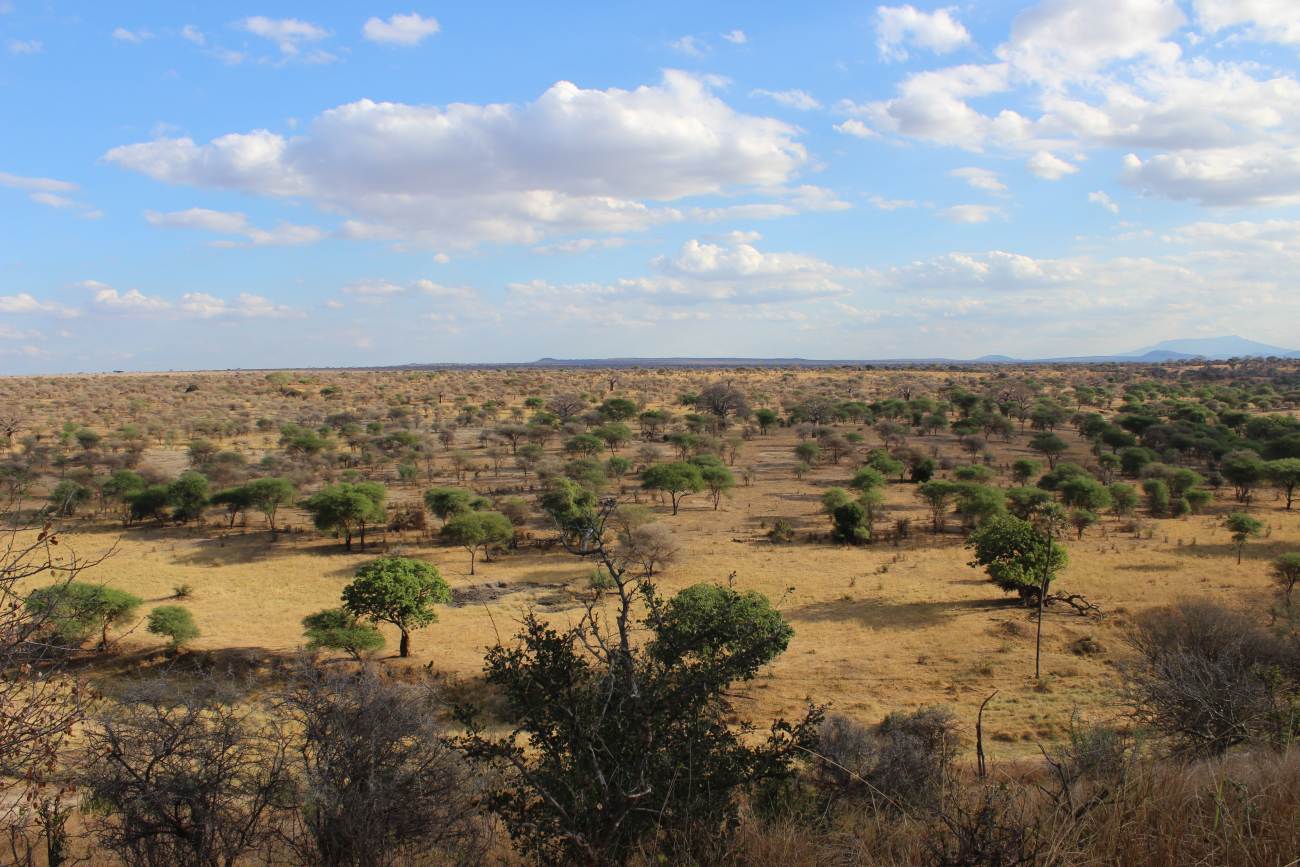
(1015, 555)
(76, 609)
(678, 480)
(397, 590)
(348, 508)
(173, 622)
(475, 530)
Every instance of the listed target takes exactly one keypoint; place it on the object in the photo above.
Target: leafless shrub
(182, 777)
(1208, 678)
(375, 783)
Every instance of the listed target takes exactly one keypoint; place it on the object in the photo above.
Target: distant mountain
(1209, 348)
(1230, 346)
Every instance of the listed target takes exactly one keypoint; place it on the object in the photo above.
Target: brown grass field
(877, 628)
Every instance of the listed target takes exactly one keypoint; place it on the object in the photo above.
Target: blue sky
(245, 185)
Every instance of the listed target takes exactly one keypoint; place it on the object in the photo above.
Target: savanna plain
(983, 573)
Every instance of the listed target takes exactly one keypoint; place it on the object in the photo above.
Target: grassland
(891, 625)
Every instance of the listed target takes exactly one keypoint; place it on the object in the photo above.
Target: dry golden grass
(876, 628)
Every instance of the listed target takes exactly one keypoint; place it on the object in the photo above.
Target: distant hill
(1209, 348)
(1216, 348)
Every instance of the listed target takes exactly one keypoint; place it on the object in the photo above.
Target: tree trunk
(404, 647)
(471, 561)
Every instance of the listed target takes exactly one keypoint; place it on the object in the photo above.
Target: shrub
(173, 622)
(339, 629)
(1208, 678)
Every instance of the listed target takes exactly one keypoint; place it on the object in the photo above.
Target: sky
(199, 185)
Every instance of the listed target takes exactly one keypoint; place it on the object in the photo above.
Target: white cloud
(883, 204)
(235, 223)
(573, 161)
(1101, 198)
(135, 37)
(856, 128)
(980, 179)
(736, 37)
(1050, 167)
(1078, 75)
(52, 200)
(192, 305)
(244, 306)
(289, 34)
(190, 33)
(25, 46)
(797, 99)
(970, 214)
(580, 245)
(408, 29)
(1254, 175)
(1264, 20)
(132, 301)
(1060, 40)
(374, 289)
(25, 303)
(48, 185)
(898, 27)
(688, 45)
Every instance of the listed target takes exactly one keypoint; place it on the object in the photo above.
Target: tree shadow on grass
(1255, 549)
(879, 614)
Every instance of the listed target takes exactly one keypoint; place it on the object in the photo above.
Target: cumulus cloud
(856, 128)
(109, 300)
(900, 27)
(980, 179)
(688, 45)
(106, 300)
(235, 223)
(1077, 75)
(1049, 167)
(572, 161)
(1256, 175)
(243, 306)
(737, 270)
(190, 33)
(408, 29)
(25, 46)
(735, 37)
(1102, 199)
(290, 35)
(25, 303)
(1264, 20)
(798, 99)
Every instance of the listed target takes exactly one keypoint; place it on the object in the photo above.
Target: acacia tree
(1286, 574)
(678, 480)
(75, 610)
(1284, 473)
(1020, 558)
(724, 401)
(267, 496)
(1050, 445)
(475, 530)
(939, 495)
(397, 590)
(347, 508)
(1242, 527)
(613, 740)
